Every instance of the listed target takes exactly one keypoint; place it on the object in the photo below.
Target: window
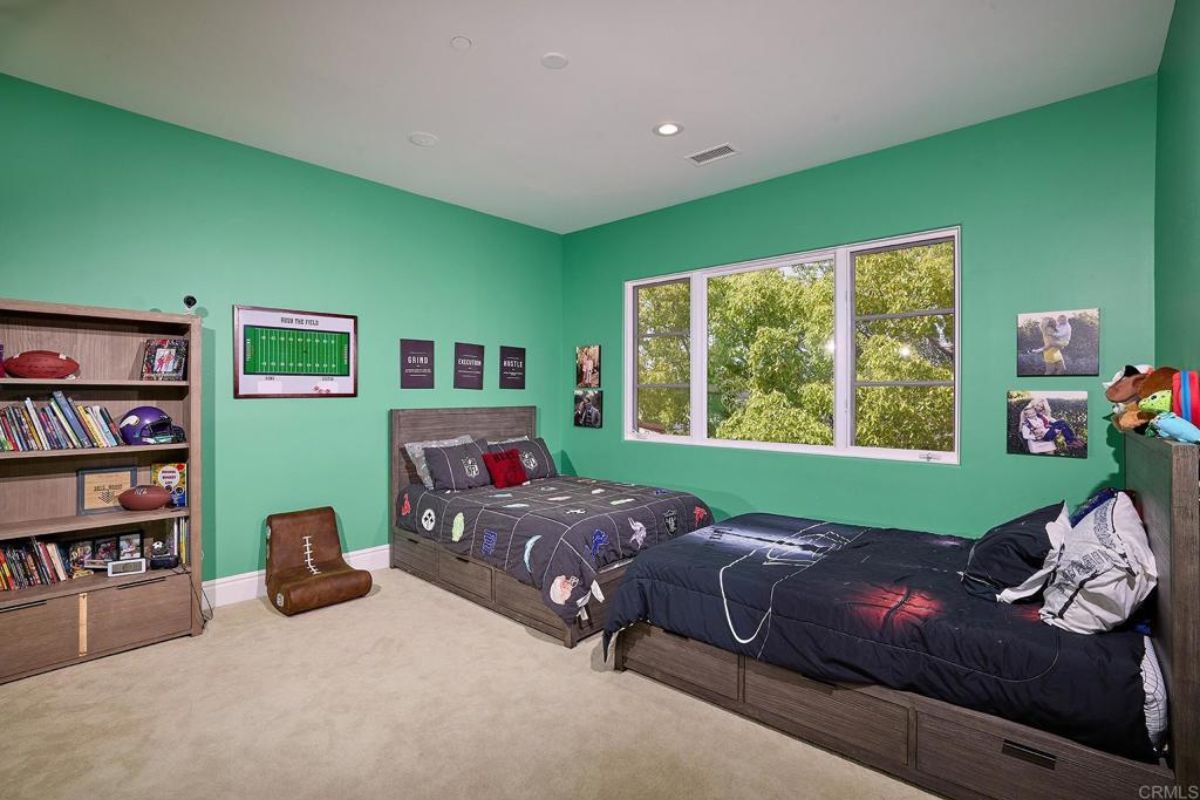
(847, 351)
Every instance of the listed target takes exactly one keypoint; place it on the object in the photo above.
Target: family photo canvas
(1048, 423)
(587, 366)
(1058, 343)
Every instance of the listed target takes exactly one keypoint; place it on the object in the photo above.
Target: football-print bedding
(556, 533)
(886, 607)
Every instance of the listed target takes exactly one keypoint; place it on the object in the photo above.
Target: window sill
(874, 453)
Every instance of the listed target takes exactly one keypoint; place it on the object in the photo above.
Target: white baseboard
(249, 585)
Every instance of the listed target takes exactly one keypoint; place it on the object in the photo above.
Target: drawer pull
(463, 560)
(1024, 753)
(140, 583)
(814, 684)
(23, 606)
(412, 540)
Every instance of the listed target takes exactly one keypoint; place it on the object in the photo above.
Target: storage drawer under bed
(411, 552)
(843, 717)
(462, 573)
(676, 659)
(1026, 763)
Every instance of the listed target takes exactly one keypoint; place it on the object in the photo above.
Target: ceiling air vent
(712, 154)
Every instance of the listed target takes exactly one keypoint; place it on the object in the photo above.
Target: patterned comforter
(555, 534)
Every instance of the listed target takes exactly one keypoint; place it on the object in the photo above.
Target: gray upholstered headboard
(424, 424)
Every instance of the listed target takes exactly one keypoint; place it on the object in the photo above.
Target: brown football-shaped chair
(305, 568)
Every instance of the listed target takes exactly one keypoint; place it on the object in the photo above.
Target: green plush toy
(1157, 403)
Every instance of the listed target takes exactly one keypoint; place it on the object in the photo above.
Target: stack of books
(32, 564)
(61, 424)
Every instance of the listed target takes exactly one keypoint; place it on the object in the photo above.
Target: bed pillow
(509, 440)
(505, 468)
(458, 466)
(534, 455)
(1009, 553)
(1098, 573)
(416, 451)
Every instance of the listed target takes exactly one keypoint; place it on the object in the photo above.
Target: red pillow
(505, 468)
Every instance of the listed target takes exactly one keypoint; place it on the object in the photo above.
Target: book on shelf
(60, 424)
(32, 563)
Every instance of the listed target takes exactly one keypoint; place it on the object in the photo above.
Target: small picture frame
(105, 549)
(164, 360)
(129, 545)
(97, 488)
(158, 545)
(78, 553)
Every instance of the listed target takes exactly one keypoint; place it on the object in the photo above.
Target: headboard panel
(1164, 474)
(424, 424)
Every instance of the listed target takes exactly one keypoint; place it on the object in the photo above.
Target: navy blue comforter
(866, 605)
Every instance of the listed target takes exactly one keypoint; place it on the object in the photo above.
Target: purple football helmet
(149, 425)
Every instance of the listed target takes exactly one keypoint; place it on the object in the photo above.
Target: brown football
(40, 364)
(144, 498)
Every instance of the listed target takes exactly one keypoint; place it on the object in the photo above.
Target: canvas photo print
(587, 366)
(589, 409)
(1058, 343)
(1048, 423)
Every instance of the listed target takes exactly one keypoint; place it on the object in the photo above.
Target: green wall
(104, 207)
(1057, 211)
(1177, 210)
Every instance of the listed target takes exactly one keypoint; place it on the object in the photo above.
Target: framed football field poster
(280, 352)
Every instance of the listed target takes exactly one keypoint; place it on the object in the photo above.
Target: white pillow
(1097, 573)
(416, 451)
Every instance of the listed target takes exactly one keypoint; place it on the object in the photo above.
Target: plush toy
(1127, 390)
(1157, 403)
(1172, 426)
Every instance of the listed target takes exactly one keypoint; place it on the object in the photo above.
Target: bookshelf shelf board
(90, 583)
(84, 522)
(89, 383)
(80, 452)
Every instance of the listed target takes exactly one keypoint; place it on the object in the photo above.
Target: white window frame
(842, 256)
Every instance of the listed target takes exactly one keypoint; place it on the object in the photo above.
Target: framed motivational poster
(416, 363)
(468, 366)
(512, 367)
(283, 353)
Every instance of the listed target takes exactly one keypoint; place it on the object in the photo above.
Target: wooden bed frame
(961, 753)
(462, 575)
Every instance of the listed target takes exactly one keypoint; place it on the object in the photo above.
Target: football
(40, 364)
(144, 498)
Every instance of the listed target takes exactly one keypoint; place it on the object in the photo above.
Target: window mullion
(843, 364)
(699, 354)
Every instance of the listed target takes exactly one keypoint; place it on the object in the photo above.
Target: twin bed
(860, 640)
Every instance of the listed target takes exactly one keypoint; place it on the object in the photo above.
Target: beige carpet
(408, 693)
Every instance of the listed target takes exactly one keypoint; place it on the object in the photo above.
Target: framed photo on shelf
(129, 545)
(164, 360)
(278, 352)
(97, 488)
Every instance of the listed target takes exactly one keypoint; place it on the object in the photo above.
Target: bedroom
(274, 158)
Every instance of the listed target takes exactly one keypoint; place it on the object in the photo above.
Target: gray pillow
(535, 457)
(416, 451)
(459, 466)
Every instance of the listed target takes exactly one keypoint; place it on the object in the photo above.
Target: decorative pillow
(1009, 553)
(534, 455)
(506, 468)
(458, 466)
(416, 451)
(509, 440)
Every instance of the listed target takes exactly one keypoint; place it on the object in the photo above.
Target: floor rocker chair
(305, 568)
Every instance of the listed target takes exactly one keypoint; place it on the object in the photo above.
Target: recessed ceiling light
(554, 60)
(423, 138)
(668, 128)
(460, 42)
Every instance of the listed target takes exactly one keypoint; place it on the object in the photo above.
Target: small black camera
(189, 300)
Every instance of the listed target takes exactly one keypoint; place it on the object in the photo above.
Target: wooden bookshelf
(46, 627)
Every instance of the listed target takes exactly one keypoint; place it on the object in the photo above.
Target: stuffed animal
(1128, 389)
(1157, 403)
(1172, 426)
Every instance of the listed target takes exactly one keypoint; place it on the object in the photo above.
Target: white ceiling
(791, 83)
